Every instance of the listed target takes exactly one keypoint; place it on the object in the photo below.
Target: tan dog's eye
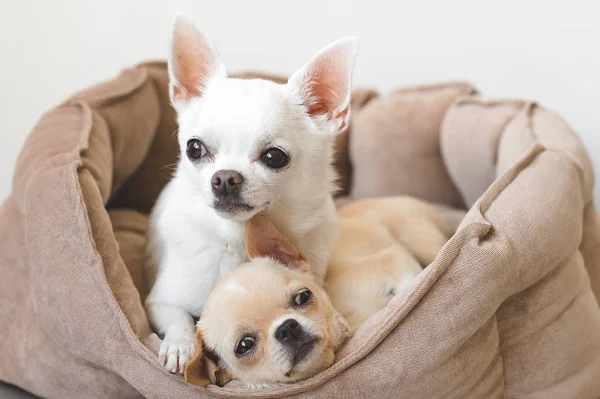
(302, 298)
(245, 345)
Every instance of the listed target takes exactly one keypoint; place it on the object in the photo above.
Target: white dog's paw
(176, 350)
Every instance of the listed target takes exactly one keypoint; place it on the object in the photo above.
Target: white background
(534, 49)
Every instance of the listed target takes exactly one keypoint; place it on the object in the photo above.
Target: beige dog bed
(509, 307)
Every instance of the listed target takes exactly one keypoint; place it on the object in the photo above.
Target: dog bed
(508, 309)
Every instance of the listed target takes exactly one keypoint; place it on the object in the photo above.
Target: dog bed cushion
(508, 309)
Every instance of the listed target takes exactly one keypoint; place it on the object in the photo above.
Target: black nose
(288, 332)
(226, 183)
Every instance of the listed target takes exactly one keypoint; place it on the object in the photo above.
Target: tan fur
(263, 238)
(384, 243)
(254, 299)
(203, 369)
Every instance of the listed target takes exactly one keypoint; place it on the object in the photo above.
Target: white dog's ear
(193, 62)
(264, 240)
(325, 83)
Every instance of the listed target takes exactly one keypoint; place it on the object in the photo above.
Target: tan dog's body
(384, 243)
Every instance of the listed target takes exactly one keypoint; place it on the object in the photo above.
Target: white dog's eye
(195, 149)
(244, 346)
(302, 298)
(275, 158)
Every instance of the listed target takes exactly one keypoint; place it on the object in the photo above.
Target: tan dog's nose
(289, 332)
(295, 340)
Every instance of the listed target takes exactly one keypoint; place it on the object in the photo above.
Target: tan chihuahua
(269, 322)
(384, 243)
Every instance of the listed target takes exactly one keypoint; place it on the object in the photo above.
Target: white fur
(190, 245)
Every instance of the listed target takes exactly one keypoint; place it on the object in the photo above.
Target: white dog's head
(251, 144)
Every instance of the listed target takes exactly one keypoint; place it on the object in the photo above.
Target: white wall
(529, 49)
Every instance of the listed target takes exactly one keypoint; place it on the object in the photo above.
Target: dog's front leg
(176, 327)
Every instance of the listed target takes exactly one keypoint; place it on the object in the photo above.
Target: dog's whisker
(172, 166)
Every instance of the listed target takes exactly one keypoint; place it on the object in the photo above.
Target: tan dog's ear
(203, 369)
(342, 331)
(264, 240)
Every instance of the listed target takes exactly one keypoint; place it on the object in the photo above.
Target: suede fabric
(509, 307)
(401, 131)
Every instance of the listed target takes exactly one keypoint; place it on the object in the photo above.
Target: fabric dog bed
(508, 309)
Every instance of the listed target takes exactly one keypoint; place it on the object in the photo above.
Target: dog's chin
(234, 210)
(305, 363)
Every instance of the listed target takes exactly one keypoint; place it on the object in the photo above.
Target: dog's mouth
(303, 351)
(237, 210)
(232, 207)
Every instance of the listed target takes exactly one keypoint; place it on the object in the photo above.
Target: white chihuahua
(247, 146)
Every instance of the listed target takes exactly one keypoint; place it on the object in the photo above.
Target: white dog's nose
(226, 183)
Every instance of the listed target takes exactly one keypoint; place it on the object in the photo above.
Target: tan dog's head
(268, 321)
